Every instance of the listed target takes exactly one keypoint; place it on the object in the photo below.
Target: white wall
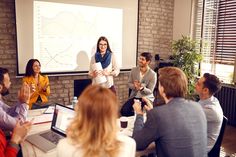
(182, 18)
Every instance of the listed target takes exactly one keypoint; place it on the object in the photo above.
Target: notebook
(47, 140)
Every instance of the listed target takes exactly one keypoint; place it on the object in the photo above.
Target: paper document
(44, 118)
(49, 110)
(100, 78)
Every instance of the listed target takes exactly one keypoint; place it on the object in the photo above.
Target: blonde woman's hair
(94, 127)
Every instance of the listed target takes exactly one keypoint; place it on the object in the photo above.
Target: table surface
(30, 150)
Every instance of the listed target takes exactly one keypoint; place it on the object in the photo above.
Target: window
(215, 28)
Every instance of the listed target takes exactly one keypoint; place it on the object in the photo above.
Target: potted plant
(186, 56)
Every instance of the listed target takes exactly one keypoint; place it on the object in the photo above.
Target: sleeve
(131, 80)
(151, 85)
(25, 80)
(46, 82)
(115, 66)
(144, 134)
(211, 114)
(92, 61)
(9, 115)
(10, 150)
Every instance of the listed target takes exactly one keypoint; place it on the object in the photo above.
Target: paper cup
(123, 122)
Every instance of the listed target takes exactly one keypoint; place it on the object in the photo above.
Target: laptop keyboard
(51, 136)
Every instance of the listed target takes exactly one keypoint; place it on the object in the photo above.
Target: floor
(228, 148)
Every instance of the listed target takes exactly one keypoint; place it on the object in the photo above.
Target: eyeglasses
(103, 45)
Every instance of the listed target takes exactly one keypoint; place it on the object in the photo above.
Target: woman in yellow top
(39, 83)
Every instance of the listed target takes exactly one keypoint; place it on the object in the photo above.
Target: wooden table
(30, 150)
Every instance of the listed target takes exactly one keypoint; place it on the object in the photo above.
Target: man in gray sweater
(179, 127)
(142, 81)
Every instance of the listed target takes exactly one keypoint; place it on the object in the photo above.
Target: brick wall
(155, 34)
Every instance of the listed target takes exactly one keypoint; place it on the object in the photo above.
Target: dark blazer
(179, 128)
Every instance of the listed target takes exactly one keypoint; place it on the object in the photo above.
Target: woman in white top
(94, 130)
(106, 57)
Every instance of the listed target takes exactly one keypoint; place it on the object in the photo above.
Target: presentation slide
(63, 35)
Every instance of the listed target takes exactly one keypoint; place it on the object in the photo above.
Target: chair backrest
(130, 90)
(215, 151)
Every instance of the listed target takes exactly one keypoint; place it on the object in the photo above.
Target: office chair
(215, 151)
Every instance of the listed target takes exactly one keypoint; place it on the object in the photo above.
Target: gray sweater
(148, 81)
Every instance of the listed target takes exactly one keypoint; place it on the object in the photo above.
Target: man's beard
(4, 91)
(141, 65)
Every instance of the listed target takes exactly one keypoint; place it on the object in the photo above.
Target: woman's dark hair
(105, 39)
(29, 71)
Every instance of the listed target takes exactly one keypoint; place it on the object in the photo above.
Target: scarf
(105, 60)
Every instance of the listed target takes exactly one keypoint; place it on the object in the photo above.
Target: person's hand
(24, 93)
(148, 103)
(95, 73)
(106, 73)
(45, 87)
(137, 107)
(32, 88)
(137, 84)
(20, 131)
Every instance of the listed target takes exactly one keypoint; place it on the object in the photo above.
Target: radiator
(227, 98)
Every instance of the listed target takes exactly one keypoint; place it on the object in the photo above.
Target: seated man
(179, 126)
(206, 87)
(142, 81)
(10, 115)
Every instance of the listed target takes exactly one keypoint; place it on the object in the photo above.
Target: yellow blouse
(43, 81)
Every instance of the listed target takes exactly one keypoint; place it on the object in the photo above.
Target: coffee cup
(123, 122)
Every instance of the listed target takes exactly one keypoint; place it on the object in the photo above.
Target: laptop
(47, 140)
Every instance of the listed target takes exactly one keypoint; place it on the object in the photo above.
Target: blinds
(226, 33)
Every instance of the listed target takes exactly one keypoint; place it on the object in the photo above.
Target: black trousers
(127, 108)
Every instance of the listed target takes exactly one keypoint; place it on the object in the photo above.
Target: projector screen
(63, 34)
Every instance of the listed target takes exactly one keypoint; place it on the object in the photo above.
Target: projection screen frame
(72, 72)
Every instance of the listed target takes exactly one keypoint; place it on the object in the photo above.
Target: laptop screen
(61, 118)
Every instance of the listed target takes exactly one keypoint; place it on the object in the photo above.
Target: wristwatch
(14, 145)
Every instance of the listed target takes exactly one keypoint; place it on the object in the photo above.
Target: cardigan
(148, 81)
(113, 68)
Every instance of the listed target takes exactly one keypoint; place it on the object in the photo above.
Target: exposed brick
(155, 35)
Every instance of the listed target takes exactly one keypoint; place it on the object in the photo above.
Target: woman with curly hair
(94, 130)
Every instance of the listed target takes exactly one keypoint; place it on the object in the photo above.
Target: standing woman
(108, 61)
(94, 130)
(39, 84)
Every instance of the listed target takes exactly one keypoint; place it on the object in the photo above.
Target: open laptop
(47, 140)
